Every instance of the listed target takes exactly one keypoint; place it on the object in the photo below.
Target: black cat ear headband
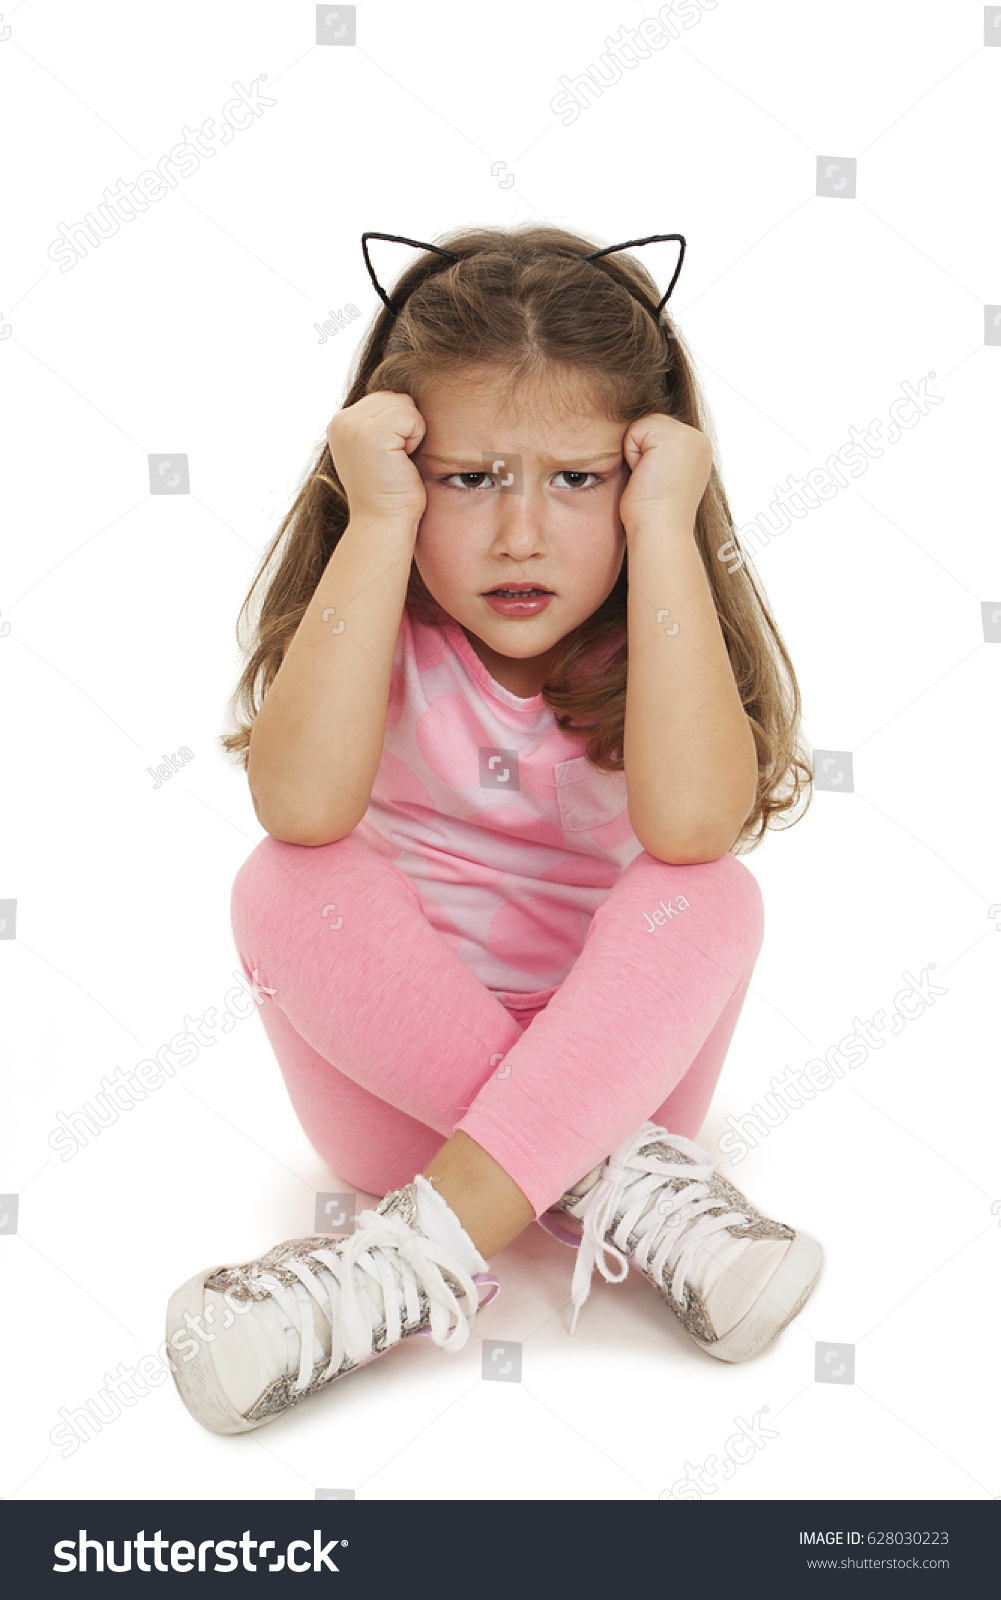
(419, 244)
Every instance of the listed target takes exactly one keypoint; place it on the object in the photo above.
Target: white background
(191, 331)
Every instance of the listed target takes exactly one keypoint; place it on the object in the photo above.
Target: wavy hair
(524, 301)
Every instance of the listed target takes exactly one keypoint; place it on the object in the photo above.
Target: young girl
(519, 707)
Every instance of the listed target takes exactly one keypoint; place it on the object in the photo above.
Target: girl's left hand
(670, 464)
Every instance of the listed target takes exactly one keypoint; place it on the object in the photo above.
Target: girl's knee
(246, 894)
(276, 873)
(745, 891)
(725, 886)
(279, 880)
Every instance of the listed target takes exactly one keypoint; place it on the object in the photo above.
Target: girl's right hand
(371, 444)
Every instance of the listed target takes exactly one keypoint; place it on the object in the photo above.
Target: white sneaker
(262, 1336)
(732, 1276)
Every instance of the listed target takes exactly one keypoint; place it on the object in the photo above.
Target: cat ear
(652, 238)
(397, 238)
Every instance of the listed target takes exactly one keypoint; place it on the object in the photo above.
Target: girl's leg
(383, 1035)
(638, 1029)
(687, 1106)
(377, 1147)
(369, 1143)
(382, 1031)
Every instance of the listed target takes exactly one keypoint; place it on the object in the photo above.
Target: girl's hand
(670, 465)
(371, 444)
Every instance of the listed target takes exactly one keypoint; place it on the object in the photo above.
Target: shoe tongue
(655, 1146)
(720, 1269)
(367, 1287)
(678, 1157)
(302, 1249)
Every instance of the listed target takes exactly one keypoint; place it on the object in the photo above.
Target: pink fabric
(511, 837)
(389, 1042)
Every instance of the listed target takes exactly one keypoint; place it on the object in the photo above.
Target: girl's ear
(403, 259)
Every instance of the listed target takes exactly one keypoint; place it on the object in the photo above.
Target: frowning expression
(556, 527)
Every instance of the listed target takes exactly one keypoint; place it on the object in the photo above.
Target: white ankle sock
(437, 1219)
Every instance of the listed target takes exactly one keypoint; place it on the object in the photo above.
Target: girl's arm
(690, 757)
(317, 740)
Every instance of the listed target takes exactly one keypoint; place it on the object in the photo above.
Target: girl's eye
(480, 476)
(465, 476)
(570, 474)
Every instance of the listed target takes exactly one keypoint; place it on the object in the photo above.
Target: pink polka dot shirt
(510, 836)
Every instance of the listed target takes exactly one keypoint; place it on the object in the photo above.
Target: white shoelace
(670, 1233)
(389, 1253)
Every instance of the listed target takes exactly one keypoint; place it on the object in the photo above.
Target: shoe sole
(782, 1299)
(197, 1380)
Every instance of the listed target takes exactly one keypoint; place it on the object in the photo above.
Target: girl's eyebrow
(549, 461)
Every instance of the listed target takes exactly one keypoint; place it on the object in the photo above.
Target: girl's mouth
(523, 602)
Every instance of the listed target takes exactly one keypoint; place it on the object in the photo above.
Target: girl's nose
(520, 524)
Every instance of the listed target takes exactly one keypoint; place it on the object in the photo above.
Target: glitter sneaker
(733, 1277)
(245, 1343)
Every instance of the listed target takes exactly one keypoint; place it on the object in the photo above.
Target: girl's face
(557, 526)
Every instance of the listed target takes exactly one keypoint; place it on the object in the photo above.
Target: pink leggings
(389, 1043)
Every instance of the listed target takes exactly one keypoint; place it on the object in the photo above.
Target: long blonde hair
(526, 302)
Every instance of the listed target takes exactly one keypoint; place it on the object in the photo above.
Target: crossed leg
(398, 1059)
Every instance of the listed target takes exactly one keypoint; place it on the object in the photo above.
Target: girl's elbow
(687, 855)
(692, 847)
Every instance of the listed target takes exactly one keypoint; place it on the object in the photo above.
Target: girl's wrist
(394, 524)
(663, 527)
